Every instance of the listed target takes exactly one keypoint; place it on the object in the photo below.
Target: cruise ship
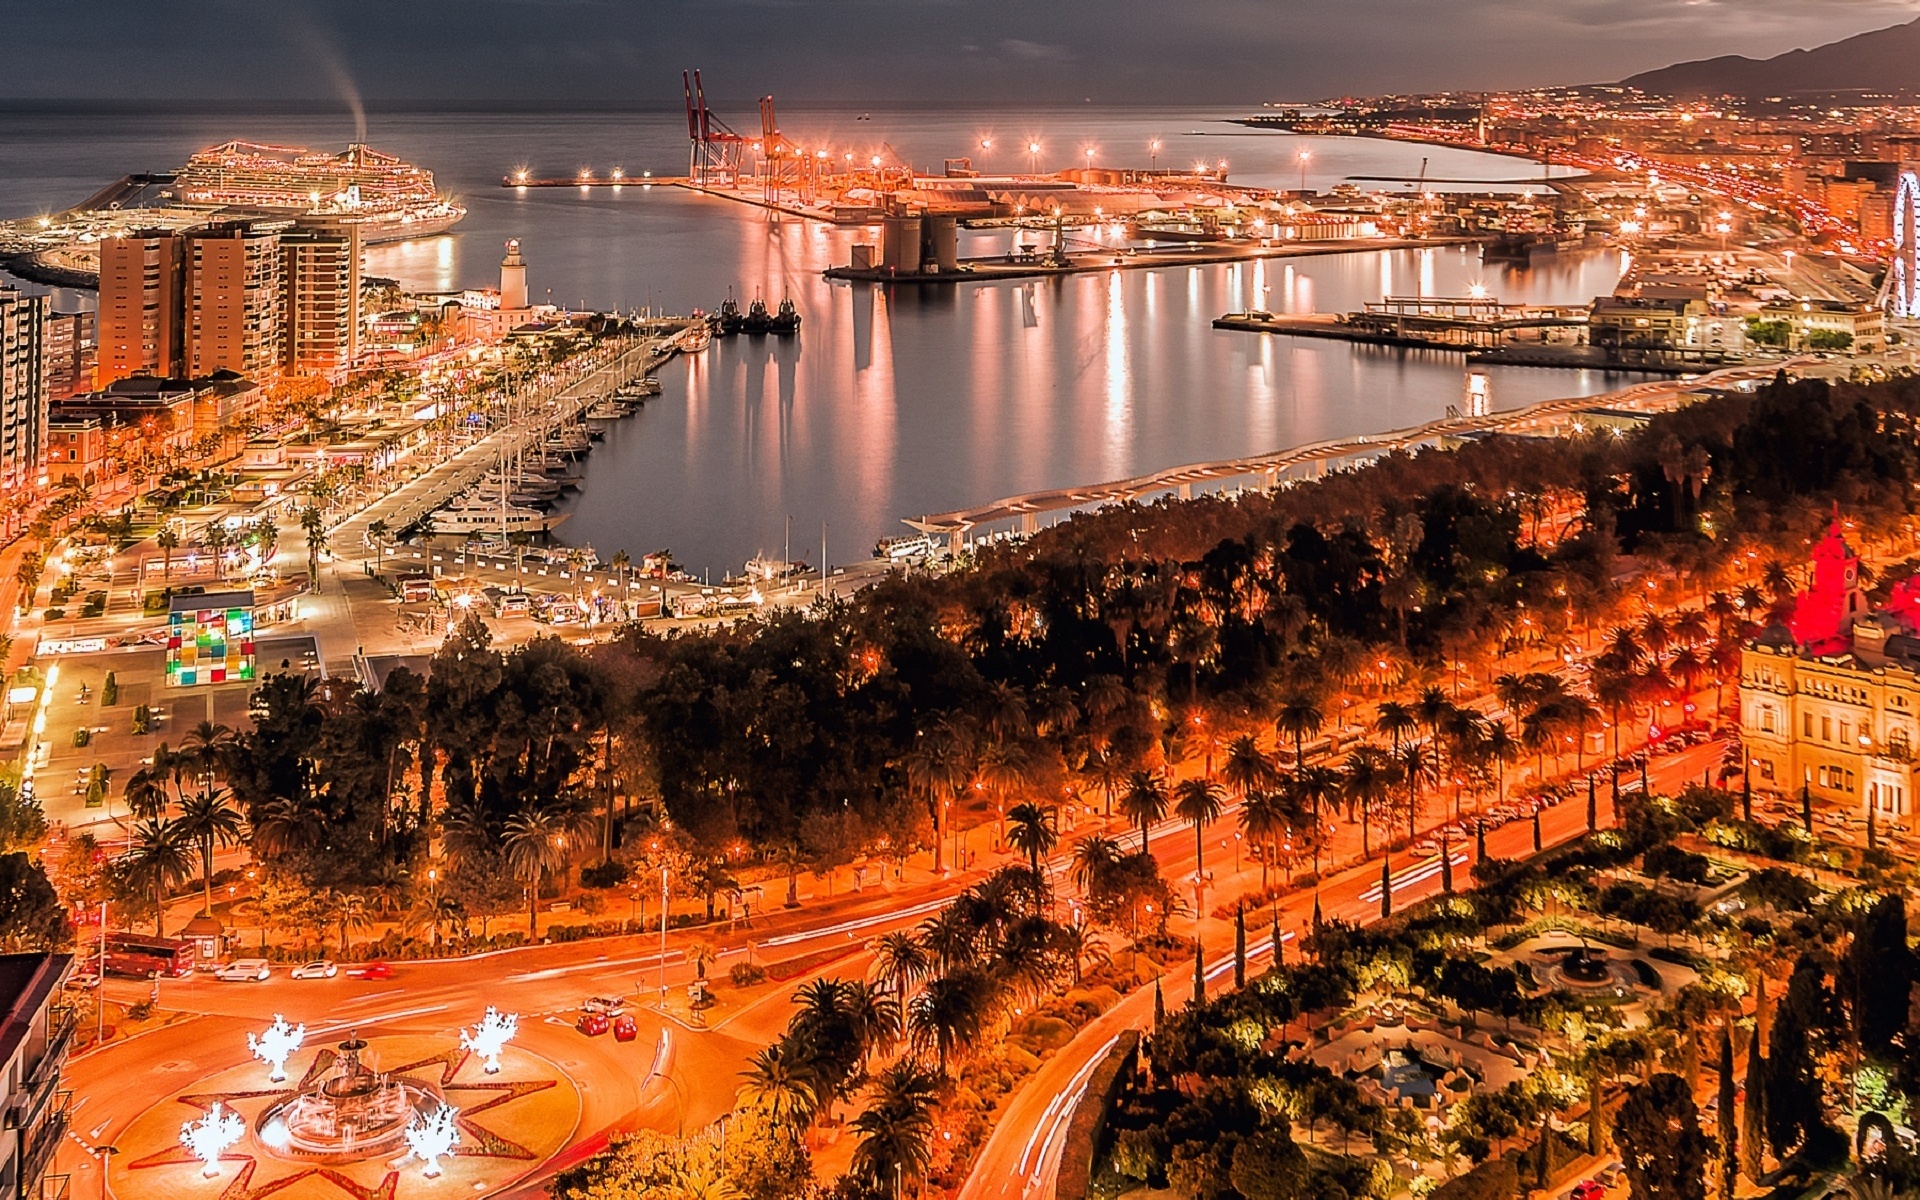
(388, 198)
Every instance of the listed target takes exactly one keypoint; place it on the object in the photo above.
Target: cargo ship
(388, 198)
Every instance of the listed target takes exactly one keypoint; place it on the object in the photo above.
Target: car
(624, 1030)
(1612, 1173)
(1590, 1189)
(593, 1024)
(377, 969)
(612, 1006)
(85, 979)
(319, 968)
(243, 970)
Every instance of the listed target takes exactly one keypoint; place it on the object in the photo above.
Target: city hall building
(1830, 701)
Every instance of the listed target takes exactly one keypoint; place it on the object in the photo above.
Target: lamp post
(1033, 158)
(663, 939)
(1089, 158)
(1153, 155)
(1304, 156)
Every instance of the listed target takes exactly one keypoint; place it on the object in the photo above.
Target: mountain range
(1885, 60)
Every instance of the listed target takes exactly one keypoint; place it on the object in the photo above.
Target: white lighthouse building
(513, 278)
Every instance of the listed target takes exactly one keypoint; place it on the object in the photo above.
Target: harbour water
(889, 403)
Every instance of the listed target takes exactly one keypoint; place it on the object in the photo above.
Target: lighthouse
(513, 277)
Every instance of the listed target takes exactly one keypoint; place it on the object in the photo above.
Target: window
(1846, 733)
(1826, 729)
(1806, 725)
(1766, 720)
(1766, 768)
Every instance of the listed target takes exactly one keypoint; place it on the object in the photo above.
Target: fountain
(352, 1113)
(1584, 965)
(491, 1036)
(209, 1137)
(277, 1045)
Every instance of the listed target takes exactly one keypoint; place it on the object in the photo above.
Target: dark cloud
(630, 52)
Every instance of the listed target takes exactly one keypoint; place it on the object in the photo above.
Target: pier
(1549, 418)
(525, 428)
(1001, 268)
(1429, 322)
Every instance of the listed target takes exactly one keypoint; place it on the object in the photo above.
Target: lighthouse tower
(513, 277)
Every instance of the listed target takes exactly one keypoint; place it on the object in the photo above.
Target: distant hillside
(1884, 60)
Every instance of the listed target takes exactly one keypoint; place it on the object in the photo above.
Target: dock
(1002, 268)
(439, 485)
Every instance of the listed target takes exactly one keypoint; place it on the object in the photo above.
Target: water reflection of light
(1386, 274)
(1258, 296)
(1288, 301)
(1426, 273)
(425, 264)
(1119, 431)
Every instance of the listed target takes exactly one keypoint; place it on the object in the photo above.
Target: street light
(1304, 156)
(1089, 158)
(1153, 154)
(1033, 158)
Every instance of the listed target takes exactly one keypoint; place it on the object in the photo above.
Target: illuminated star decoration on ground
(476, 1141)
(277, 1045)
(491, 1036)
(209, 1137)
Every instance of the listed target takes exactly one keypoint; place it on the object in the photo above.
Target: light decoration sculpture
(491, 1036)
(432, 1138)
(1903, 273)
(279, 1043)
(208, 1138)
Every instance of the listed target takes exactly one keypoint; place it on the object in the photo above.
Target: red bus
(140, 956)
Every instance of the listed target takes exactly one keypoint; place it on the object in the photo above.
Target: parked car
(1612, 1173)
(593, 1024)
(1590, 1189)
(624, 1029)
(244, 970)
(377, 969)
(612, 1006)
(84, 979)
(319, 968)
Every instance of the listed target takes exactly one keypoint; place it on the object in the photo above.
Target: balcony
(39, 1086)
(54, 1187)
(40, 1146)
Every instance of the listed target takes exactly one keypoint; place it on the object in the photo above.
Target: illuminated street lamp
(1089, 158)
(1153, 154)
(1304, 156)
(1033, 158)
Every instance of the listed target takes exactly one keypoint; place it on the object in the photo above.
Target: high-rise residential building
(71, 352)
(36, 1030)
(23, 388)
(142, 307)
(322, 315)
(235, 294)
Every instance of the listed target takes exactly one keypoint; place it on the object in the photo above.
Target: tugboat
(730, 320)
(786, 322)
(758, 321)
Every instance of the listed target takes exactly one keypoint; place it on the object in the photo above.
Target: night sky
(628, 53)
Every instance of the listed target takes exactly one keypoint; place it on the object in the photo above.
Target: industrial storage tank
(900, 245)
(940, 245)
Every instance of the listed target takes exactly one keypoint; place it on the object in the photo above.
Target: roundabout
(378, 1119)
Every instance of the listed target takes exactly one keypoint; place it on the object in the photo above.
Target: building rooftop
(204, 600)
(26, 982)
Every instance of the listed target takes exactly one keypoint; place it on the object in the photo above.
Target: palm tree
(146, 795)
(901, 961)
(158, 857)
(1501, 749)
(951, 1013)
(377, 534)
(874, 1015)
(1032, 833)
(208, 817)
(1144, 802)
(1319, 786)
(1198, 802)
(1247, 769)
(285, 825)
(1300, 718)
(896, 1129)
(1005, 768)
(1263, 821)
(315, 527)
(534, 842)
(206, 749)
(1093, 857)
(779, 1084)
(1417, 767)
(1395, 720)
(1368, 778)
(168, 539)
(939, 766)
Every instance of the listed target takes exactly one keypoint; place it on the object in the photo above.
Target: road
(694, 1084)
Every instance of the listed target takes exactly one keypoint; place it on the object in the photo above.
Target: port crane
(714, 148)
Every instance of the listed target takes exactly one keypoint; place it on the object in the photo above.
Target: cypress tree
(1593, 807)
(1446, 862)
(1806, 810)
(1279, 946)
(1479, 841)
(1199, 974)
(1746, 794)
(1239, 946)
(1536, 831)
(1386, 888)
(1753, 1119)
(1729, 1126)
